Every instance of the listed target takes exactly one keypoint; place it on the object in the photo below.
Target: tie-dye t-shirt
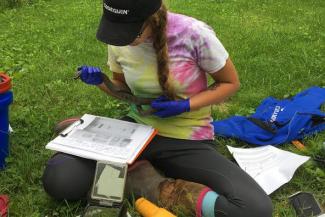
(194, 51)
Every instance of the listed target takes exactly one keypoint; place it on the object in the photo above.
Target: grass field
(278, 47)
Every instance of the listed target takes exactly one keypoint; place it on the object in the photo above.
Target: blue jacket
(278, 121)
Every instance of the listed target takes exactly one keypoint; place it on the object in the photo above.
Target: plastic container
(6, 98)
(148, 209)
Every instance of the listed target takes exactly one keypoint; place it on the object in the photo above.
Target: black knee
(262, 207)
(68, 177)
(253, 204)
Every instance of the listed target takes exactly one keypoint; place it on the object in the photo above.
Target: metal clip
(69, 129)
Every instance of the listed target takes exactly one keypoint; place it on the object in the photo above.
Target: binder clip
(69, 127)
(107, 194)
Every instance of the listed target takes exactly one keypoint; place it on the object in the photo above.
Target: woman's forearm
(118, 84)
(213, 95)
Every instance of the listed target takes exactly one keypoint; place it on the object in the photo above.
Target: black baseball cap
(122, 20)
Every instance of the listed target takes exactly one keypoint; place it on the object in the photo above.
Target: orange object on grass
(298, 144)
(148, 209)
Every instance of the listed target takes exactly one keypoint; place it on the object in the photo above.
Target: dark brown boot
(181, 196)
(143, 181)
(176, 195)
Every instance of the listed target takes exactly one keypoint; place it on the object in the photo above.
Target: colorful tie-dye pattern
(194, 51)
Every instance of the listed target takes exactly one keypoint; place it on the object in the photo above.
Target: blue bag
(278, 121)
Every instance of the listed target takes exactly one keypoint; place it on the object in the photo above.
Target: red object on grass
(4, 203)
(5, 82)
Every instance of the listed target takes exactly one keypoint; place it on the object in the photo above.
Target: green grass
(8, 4)
(277, 46)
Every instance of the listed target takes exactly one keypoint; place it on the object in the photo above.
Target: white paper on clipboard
(105, 139)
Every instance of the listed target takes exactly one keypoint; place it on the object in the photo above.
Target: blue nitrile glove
(90, 75)
(167, 108)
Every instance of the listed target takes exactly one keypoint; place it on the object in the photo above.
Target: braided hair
(158, 24)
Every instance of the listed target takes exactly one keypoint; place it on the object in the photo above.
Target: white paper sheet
(270, 167)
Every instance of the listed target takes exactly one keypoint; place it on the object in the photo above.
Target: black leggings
(196, 161)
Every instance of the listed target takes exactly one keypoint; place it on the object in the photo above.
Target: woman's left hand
(168, 108)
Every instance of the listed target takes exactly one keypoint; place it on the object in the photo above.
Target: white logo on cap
(114, 10)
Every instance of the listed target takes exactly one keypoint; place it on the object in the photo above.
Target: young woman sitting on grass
(167, 56)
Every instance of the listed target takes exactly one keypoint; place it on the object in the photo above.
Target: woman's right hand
(90, 75)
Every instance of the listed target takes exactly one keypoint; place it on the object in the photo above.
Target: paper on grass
(270, 167)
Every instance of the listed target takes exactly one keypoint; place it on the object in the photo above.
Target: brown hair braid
(158, 24)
